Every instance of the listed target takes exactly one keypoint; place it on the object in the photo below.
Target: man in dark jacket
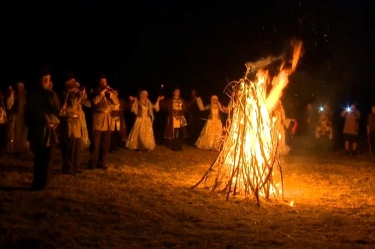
(42, 113)
(195, 120)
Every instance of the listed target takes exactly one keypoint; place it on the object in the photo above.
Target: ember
(249, 162)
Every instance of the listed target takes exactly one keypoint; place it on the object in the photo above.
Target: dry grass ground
(145, 201)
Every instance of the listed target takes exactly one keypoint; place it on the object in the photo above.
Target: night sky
(198, 44)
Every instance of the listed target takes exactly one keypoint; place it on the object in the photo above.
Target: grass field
(145, 201)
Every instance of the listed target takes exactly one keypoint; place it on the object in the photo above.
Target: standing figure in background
(101, 130)
(141, 136)
(324, 130)
(3, 125)
(211, 136)
(280, 125)
(175, 131)
(194, 118)
(71, 129)
(351, 128)
(17, 132)
(309, 127)
(371, 129)
(42, 111)
(118, 128)
(160, 120)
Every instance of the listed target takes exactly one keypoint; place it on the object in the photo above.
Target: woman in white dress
(212, 133)
(141, 136)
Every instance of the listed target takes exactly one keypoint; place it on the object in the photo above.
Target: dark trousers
(43, 166)
(70, 152)
(116, 139)
(99, 148)
(3, 138)
(179, 139)
(195, 127)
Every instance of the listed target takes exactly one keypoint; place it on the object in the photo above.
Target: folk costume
(72, 128)
(175, 131)
(211, 136)
(141, 136)
(118, 127)
(101, 133)
(42, 112)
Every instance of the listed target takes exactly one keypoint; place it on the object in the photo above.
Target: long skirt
(211, 136)
(141, 136)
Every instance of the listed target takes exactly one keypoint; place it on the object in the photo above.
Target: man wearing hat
(101, 128)
(42, 113)
(71, 128)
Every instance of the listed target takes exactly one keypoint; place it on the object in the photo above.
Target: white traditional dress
(211, 136)
(141, 136)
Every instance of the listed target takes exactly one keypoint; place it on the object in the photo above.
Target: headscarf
(148, 103)
(218, 103)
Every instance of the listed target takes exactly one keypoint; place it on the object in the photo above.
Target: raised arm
(156, 106)
(201, 106)
(134, 105)
(96, 99)
(223, 108)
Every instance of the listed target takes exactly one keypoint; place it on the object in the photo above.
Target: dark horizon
(144, 44)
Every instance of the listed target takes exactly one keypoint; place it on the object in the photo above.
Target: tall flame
(249, 154)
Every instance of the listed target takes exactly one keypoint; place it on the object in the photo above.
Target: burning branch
(248, 163)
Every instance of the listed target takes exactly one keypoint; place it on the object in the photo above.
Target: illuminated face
(373, 109)
(176, 93)
(103, 82)
(144, 96)
(214, 101)
(115, 93)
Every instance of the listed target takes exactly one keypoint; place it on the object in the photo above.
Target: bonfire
(249, 162)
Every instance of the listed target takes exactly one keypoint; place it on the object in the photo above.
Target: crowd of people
(320, 131)
(33, 125)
